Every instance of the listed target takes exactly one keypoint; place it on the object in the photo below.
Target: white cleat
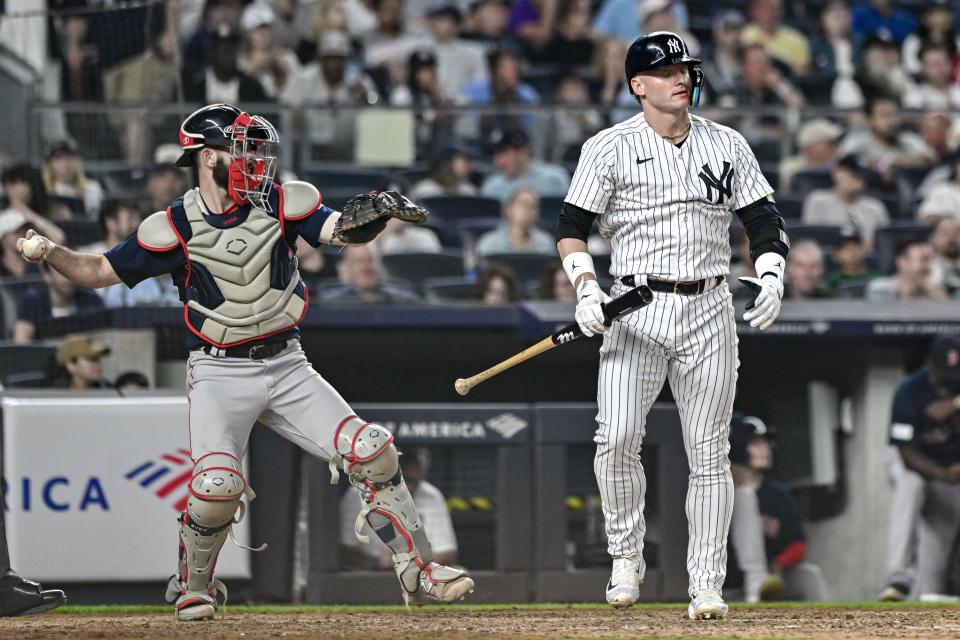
(707, 605)
(623, 589)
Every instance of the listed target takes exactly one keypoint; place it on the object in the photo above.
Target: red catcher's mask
(253, 160)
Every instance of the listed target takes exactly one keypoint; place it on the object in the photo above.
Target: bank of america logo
(507, 424)
(168, 477)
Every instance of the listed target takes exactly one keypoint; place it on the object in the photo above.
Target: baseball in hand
(33, 247)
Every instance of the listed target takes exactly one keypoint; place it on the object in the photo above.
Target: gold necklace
(682, 133)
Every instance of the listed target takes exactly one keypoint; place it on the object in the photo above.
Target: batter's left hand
(765, 306)
(589, 313)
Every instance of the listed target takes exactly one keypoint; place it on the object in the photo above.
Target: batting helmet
(662, 49)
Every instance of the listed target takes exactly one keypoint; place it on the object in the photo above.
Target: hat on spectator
(743, 429)
(849, 233)
(445, 11)
(509, 139)
(77, 346)
(167, 153)
(880, 38)
(223, 33)
(257, 14)
(818, 130)
(944, 360)
(422, 58)
(62, 147)
(335, 44)
(850, 163)
(728, 18)
(652, 6)
(11, 220)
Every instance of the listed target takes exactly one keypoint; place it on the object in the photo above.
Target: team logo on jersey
(674, 45)
(719, 185)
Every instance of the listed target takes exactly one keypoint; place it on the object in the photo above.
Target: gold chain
(682, 133)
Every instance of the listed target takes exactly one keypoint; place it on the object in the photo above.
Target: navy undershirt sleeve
(134, 264)
(309, 228)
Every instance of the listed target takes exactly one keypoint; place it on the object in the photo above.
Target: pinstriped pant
(692, 342)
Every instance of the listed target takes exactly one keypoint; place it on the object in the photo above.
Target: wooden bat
(617, 308)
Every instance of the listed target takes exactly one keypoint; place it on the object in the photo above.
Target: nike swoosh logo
(639, 161)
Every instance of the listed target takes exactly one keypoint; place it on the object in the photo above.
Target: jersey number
(721, 184)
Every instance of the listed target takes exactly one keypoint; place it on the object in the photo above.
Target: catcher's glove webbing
(365, 216)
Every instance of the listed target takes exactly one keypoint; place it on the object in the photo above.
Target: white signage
(93, 488)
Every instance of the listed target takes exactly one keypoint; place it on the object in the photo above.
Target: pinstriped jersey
(667, 209)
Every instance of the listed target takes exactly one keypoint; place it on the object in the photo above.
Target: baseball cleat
(707, 605)
(894, 592)
(193, 606)
(623, 589)
(21, 597)
(438, 584)
(772, 589)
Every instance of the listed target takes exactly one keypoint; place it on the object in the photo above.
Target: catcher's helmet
(662, 49)
(206, 127)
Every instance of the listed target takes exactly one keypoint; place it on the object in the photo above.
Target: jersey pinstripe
(667, 209)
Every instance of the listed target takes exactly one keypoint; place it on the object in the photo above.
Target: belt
(680, 288)
(253, 351)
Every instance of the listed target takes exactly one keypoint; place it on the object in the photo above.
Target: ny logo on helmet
(721, 184)
(674, 45)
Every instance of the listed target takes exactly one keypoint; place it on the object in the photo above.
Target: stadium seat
(454, 289)
(886, 239)
(11, 289)
(806, 181)
(417, 267)
(80, 232)
(526, 266)
(790, 205)
(471, 229)
(22, 363)
(343, 180)
(827, 236)
(454, 208)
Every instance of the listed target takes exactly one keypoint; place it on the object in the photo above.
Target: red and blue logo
(168, 477)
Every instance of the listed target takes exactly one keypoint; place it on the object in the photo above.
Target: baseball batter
(230, 246)
(662, 186)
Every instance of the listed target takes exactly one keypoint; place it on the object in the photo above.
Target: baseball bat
(617, 308)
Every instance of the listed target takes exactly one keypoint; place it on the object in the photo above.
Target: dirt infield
(789, 622)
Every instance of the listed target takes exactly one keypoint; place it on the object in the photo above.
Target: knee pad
(365, 451)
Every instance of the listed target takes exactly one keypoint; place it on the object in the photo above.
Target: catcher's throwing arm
(617, 308)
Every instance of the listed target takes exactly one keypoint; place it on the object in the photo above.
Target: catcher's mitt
(365, 216)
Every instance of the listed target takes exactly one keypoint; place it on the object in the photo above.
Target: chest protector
(242, 281)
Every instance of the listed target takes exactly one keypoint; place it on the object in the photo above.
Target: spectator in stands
(516, 169)
(923, 428)
(63, 176)
(450, 172)
(934, 90)
(262, 56)
(459, 61)
(361, 18)
(13, 225)
(220, 79)
(399, 237)
(722, 67)
(217, 15)
(936, 28)
(165, 183)
(131, 381)
(766, 529)
(623, 19)
(487, 24)
(817, 140)
(25, 194)
(935, 132)
(555, 285)
(79, 360)
(660, 15)
(118, 219)
(880, 73)
(57, 297)
(762, 85)
(846, 203)
(504, 87)
(430, 504)
(913, 279)
(804, 272)
(945, 242)
(853, 274)
(518, 231)
(573, 43)
(361, 273)
(885, 145)
(298, 25)
(614, 90)
(533, 22)
(498, 284)
(882, 16)
(422, 89)
(330, 81)
(80, 73)
(784, 43)
(943, 200)
(391, 43)
(832, 57)
(573, 126)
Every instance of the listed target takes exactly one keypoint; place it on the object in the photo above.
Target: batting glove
(589, 313)
(767, 300)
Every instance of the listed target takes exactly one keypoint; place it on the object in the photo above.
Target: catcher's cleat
(194, 605)
(623, 589)
(21, 597)
(437, 584)
(894, 592)
(772, 589)
(707, 605)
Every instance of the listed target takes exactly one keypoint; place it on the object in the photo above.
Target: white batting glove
(589, 314)
(767, 300)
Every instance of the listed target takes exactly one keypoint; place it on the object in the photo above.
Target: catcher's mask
(253, 160)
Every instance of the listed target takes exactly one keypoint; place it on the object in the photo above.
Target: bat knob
(461, 386)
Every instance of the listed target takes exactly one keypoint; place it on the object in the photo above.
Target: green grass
(239, 609)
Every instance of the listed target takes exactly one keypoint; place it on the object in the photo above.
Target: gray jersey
(666, 209)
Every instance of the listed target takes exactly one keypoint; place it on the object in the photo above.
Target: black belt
(689, 288)
(253, 351)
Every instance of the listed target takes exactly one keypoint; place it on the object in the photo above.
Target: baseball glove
(364, 217)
